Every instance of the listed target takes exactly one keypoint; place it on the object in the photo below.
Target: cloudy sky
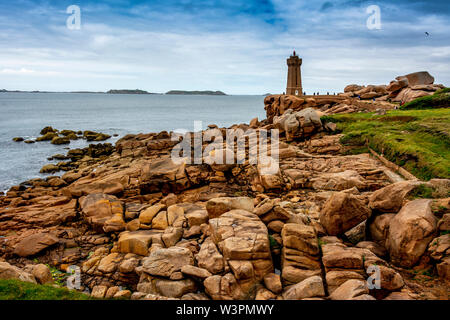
(239, 47)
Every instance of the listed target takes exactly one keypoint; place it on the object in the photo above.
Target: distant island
(126, 91)
(129, 91)
(37, 91)
(207, 92)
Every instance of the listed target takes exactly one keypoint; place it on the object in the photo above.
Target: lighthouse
(294, 79)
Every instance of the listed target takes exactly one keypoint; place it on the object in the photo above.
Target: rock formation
(317, 228)
(402, 89)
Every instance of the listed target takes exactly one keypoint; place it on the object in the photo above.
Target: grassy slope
(440, 99)
(418, 140)
(18, 290)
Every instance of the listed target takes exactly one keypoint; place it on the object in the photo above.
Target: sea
(25, 114)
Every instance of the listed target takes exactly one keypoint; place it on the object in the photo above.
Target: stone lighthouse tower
(294, 80)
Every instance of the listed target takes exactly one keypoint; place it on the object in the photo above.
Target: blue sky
(239, 47)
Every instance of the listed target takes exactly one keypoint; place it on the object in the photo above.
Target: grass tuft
(19, 290)
(422, 191)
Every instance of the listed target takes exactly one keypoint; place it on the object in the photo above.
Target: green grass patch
(58, 276)
(273, 243)
(422, 192)
(440, 99)
(418, 140)
(444, 90)
(19, 290)
(321, 242)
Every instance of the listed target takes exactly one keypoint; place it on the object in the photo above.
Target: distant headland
(127, 91)
(130, 91)
(207, 93)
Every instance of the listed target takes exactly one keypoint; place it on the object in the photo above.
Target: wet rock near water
(65, 136)
(79, 157)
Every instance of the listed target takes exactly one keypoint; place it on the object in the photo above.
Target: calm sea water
(25, 114)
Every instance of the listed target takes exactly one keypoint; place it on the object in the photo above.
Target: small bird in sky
(427, 34)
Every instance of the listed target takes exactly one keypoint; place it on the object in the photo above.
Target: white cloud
(25, 71)
(19, 71)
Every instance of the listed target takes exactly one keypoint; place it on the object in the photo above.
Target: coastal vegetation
(440, 99)
(418, 140)
(18, 290)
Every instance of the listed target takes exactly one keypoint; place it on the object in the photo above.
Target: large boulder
(419, 78)
(8, 271)
(390, 279)
(344, 263)
(408, 95)
(308, 288)
(218, 206)
(164, 262)
(278, 104)
(114, 184)
(42, 274)
(338, 181)
(298, 124)
(147, 215)
(444, 223)
(341, 212)
(272, 282)
(353, 88)
(410, 232)
(439, 250)
(397, 85)
(338, 257)
(103, 212)
(244, 242)
(138, 242)
(175, 289)
(440, 247)
(374, 247)
(163, 175)
(378, 228)
(195, 272)
(370, 95)
(224, 288)
(34, 243)
(391, 198)
(210, 258)
(336, 278)
(300, 256)
(350, 290)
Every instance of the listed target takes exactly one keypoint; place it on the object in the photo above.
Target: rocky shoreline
(58, 137)
(140, 226)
